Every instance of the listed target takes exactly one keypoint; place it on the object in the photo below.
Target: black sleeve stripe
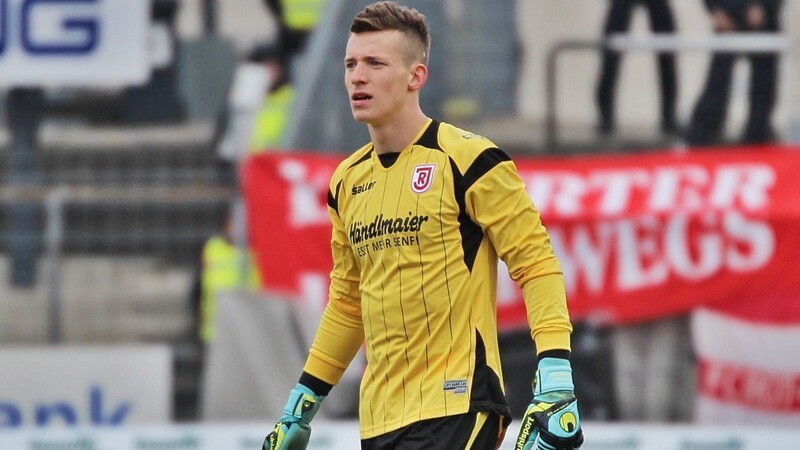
(430, 137)
(333, 200)
(364, 158)
(486, 390)
(483, 164)
(471, 233)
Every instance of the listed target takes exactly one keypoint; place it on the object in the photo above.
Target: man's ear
(419, 75)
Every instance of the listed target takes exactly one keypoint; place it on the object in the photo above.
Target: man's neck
(398, 134)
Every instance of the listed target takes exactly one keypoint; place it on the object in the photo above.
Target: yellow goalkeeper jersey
(415, 251)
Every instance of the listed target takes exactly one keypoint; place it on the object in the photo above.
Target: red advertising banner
(747, 369)
(639, 236)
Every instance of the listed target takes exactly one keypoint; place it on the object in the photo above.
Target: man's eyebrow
(367, 58)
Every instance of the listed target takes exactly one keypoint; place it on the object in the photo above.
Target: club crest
(422, 178)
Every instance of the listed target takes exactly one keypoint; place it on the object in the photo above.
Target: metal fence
(115, 228)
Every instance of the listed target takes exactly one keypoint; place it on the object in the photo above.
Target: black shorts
(470, 431)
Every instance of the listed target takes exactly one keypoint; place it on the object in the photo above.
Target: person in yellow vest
(250, 123)
(271, 120)
(296, 19)
(259, 108)
(225, 267)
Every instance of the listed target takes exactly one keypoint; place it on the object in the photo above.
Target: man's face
(376, 75)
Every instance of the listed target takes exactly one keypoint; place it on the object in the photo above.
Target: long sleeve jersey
(415, 259)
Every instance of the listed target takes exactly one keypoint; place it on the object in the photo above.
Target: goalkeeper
(420, 216)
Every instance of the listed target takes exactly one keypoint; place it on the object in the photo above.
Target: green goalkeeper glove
(552, 415)
(293, 429)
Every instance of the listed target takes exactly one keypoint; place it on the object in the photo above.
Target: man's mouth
(360, 97)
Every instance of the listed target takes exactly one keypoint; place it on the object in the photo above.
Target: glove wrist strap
(303, 403)
(554, 374)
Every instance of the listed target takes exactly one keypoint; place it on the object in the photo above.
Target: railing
(657, 42)
(156, 223)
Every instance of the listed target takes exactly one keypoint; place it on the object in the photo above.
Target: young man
(420, 216)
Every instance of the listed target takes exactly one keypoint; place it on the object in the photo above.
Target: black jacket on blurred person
(707, 122)
(618, 21)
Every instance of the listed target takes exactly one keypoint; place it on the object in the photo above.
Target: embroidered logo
(422, 178)
(455, 386)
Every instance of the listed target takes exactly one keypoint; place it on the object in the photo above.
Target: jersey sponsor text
(380, 226)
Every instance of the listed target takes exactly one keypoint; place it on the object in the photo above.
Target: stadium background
(102, 225)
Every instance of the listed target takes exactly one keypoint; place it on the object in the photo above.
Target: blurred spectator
(159, 100)
(224, 266)
(618, 21)
(262, 93)
(654, 370)
(708, 118)
(296, 19)
(592, 355)
(259, 108)
(270, 122)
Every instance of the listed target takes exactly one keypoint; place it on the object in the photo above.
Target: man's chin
(362, 118)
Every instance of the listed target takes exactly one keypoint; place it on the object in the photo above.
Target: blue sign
(78, 34)
(75, 43)
(63, 412)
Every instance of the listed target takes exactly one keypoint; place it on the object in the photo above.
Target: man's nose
(358, 75)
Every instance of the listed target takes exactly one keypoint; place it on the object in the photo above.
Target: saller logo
(422, 178)
(363, 187)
